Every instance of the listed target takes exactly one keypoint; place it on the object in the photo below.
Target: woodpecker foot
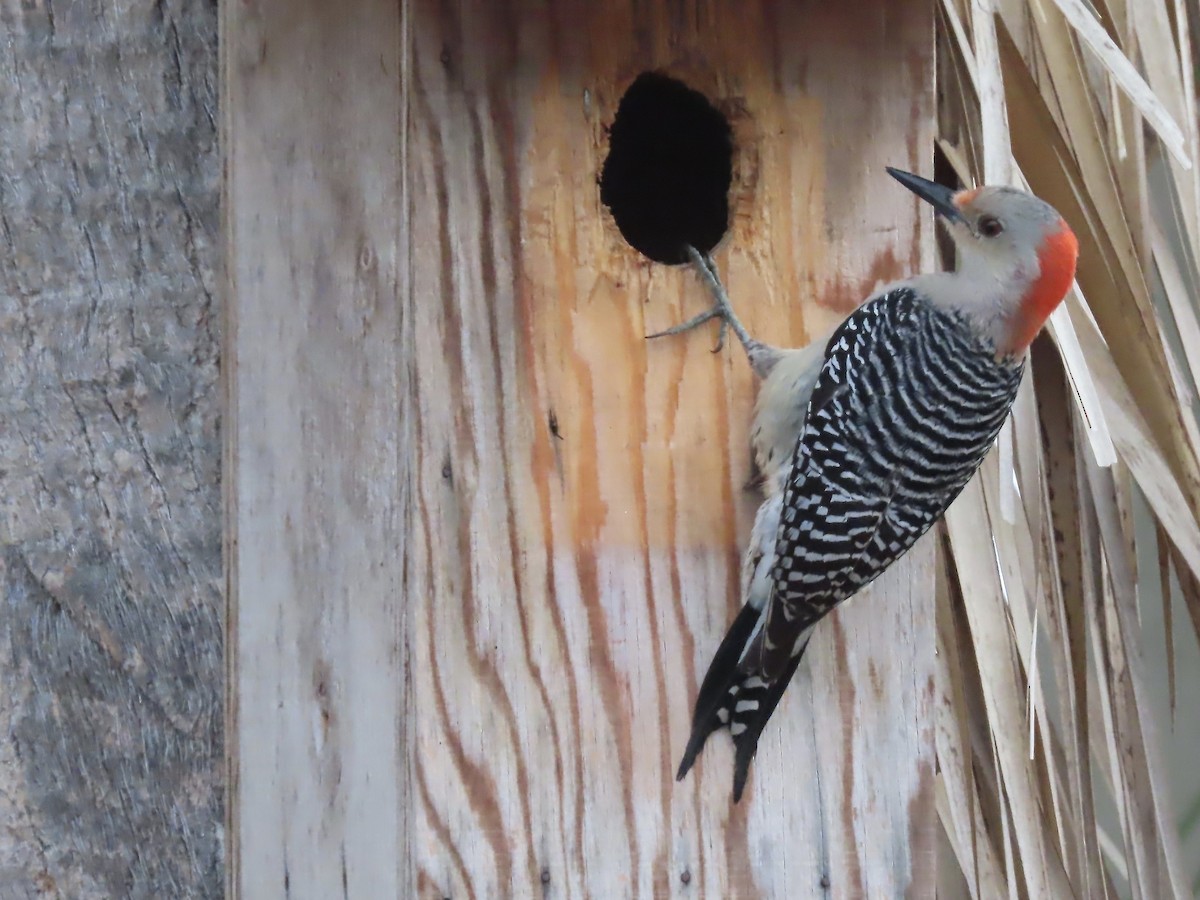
(721, 308)
(714, 313)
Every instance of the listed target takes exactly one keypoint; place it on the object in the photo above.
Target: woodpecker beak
(940, 197)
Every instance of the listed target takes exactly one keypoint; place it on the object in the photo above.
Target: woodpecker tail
(734, 697)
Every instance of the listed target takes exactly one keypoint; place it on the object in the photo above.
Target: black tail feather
(727, 687)
(722, 672)
(747, 742)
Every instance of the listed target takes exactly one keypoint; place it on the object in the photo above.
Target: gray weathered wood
(484, 692)
(110, 528)
(316, 472)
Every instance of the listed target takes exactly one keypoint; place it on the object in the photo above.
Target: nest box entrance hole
(670, 163)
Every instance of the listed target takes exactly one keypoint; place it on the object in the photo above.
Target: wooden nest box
(483, 537)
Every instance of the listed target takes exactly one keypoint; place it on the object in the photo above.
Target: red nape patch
(963, 197)
(1056, 261)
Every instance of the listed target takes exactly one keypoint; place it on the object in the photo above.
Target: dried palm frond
(1052, 736)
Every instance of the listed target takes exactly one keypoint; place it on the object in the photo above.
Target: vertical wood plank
(577, 499)
(315, 478)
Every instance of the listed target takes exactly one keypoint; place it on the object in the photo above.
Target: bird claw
(721, 333)
(715, 313)
(720, 309)
(688, 325)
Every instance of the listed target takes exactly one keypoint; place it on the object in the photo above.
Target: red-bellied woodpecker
(864, 439)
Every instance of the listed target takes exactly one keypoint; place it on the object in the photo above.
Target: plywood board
(315, 473)
(482, 538)
(578, 500)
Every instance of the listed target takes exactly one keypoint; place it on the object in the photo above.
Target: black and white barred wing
(835, 530)
(907, 404)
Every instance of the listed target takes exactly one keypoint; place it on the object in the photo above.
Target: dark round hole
(669, 166)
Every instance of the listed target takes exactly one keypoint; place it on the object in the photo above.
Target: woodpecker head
(1017, 259)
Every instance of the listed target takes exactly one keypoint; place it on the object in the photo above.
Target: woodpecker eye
(990, 226)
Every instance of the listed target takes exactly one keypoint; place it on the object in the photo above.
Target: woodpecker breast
(780, 409)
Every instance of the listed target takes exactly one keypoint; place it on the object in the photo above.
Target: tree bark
(110, 634)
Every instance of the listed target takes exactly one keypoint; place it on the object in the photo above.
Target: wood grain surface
(315, 469)
(482, 537)
(578, 503)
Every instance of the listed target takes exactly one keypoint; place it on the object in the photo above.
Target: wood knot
(366, 258)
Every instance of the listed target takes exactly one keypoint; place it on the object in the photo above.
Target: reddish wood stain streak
(567, 675)
(427, 887)
(847, 693)
(687, 640)
(586, 539)
(513, 533)
(739, 866)
(478, 783)
(577, 585)
(922, 818)
(481, 788)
